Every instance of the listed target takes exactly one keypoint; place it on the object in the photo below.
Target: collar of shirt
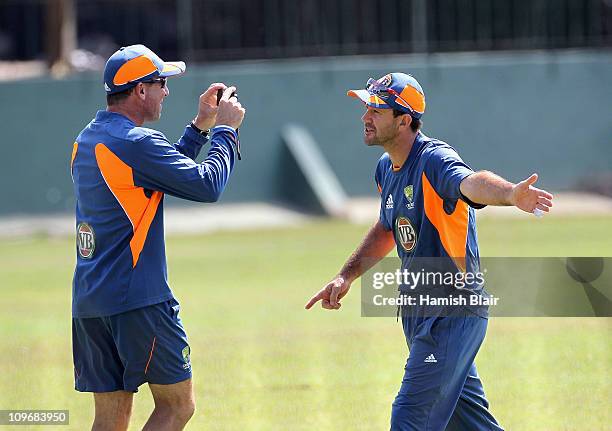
(419, 142)
(104, 116)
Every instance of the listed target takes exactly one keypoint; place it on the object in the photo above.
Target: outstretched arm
(377, 243)
(485, 187)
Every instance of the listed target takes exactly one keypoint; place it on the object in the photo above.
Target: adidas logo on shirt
(389, 202)
(431, 359)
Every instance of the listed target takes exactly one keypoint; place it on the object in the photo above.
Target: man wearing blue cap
(428, 196)
(126, 330)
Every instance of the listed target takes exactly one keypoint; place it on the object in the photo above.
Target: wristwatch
(204, 133)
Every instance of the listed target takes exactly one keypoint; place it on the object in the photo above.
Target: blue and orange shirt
(422, 204)
(121, 173)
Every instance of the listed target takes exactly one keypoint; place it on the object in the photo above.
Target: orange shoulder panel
(452, 228)
(139, 209)
(75, 148)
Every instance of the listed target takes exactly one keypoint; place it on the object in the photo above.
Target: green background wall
(511, 113)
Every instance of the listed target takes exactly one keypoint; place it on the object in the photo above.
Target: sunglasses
(384, 92)
(161, 81)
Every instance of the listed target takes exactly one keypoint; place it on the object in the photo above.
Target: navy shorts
(441, 389)
(123, 351)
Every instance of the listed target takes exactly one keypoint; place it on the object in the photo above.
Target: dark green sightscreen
(511, 113)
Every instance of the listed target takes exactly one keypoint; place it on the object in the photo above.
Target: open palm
(527, 197)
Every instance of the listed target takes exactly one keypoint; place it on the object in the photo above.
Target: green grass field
(261, 362)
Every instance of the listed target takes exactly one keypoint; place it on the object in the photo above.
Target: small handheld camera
(220, 94)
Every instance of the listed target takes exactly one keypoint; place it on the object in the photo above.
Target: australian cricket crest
(409, 194)
(86, 240)
(405, 235)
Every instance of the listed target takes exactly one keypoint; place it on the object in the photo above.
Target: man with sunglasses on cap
(126, 330)
(428, 196)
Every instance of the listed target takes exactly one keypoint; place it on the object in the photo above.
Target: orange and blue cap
(393, 91)
(136, 63)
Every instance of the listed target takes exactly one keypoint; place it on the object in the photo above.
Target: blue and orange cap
(393, 91)
(136, 63)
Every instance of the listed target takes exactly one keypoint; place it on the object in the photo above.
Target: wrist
(222, 127)
(346, 277)
(223, 124)
(202, 124)
(509, 198)
(199, 130)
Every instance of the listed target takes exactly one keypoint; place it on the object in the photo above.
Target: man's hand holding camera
(227, 112)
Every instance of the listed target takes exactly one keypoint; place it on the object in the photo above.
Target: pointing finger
(314, 300)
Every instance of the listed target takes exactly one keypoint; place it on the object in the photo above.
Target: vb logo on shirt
(405, 233)
(86, 240)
